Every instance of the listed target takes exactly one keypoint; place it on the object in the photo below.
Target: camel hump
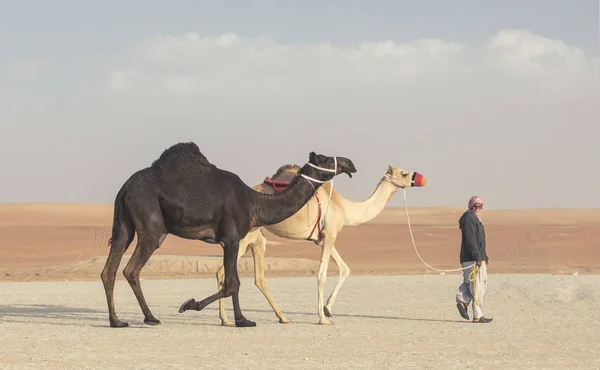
(286, 172)
(282, 179)
(180, 155)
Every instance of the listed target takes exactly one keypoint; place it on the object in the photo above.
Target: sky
(497, 99)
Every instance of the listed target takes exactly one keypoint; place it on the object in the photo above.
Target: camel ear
(312, 157)
(390, 168)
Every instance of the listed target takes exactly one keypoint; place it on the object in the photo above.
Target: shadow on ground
(77, 316)
(230, 315)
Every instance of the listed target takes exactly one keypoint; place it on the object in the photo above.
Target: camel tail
(118, 215)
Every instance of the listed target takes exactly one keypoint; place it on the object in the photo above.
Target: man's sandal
(462, 309)
(483, 320)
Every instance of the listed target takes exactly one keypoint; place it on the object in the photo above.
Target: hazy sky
(494, 98)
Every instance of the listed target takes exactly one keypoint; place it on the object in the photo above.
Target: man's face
(478, 205)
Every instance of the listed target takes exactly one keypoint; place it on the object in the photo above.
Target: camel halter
(389, 178)
(321, 182)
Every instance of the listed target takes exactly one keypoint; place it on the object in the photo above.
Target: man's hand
(479, 263)
(487, 263)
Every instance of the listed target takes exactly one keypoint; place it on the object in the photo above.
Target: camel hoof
(152, 321)
(326, 311)
(245, 323)
(227, 323)
(325, 322)
(188, 305)
(118, 324)
(284, 320)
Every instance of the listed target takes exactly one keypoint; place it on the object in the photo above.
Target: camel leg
(344, 273)
(230, 288)
(328, 243)
(258, 252)
(220, 280)
(145, 247)
(109, 273)
(232, 283)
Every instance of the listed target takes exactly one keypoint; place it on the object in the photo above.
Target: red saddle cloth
(281, 185)
(277, 185)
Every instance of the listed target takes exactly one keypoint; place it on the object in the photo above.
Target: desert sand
(543, 293)
(46, 242)
(394, 322)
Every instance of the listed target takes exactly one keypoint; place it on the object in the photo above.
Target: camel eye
(404, 174)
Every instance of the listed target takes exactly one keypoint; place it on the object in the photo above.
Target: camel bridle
(392, 180)
(310, 179)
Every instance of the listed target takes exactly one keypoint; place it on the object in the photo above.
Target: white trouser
(465, 290)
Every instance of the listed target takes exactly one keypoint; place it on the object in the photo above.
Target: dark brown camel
(183, 194)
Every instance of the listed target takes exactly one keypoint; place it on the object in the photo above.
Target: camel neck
(269, 209)
(356, 213)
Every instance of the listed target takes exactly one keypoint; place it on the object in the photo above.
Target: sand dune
(69, 241)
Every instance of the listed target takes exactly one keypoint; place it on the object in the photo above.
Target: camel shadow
(44, 311)
(353, 315)
(61, 315)
(51, 314)
(75, 316)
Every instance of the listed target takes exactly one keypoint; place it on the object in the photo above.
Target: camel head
(344, 165)
(401, 178)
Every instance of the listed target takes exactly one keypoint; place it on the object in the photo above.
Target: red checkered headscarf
(477, 211)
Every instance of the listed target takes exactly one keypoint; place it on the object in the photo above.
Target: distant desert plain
(66, 242)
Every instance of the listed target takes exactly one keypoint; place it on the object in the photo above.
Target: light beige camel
(304, 225)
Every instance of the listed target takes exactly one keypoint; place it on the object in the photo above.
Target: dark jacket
(472, 247)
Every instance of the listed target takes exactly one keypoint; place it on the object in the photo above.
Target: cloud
(473, 118)
(192, 64)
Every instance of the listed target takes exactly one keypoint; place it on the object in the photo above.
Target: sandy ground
(408, 322)
(53, 310)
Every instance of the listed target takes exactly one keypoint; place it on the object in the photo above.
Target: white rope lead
(415, 246)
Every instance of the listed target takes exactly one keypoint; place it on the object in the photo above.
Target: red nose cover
(419, 180)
